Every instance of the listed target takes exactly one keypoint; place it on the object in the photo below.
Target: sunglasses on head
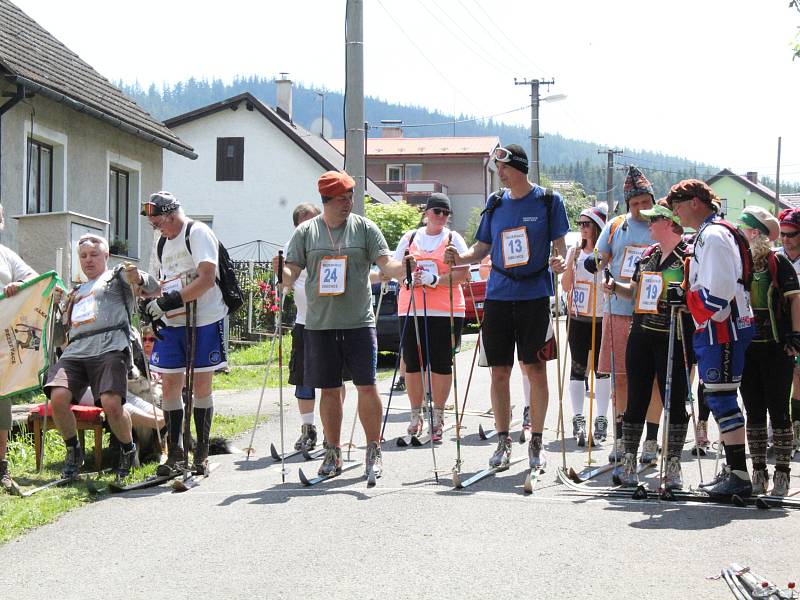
(790, 234)
(440, 211)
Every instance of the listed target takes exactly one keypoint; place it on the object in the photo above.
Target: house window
(413, 172)
(119, 211)
(40, 177)
(394, 172)
(230, 159)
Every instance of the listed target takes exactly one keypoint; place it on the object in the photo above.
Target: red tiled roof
(407, 146)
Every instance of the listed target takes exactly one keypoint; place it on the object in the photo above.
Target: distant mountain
(562, 158)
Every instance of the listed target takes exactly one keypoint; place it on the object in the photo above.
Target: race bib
(332, 275)
(648, 292)
(515, 247)
(174, 284)
(631, 256)
(429, 265)
(582, 298)
(84, 310)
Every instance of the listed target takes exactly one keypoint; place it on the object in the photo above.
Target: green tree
(393, 219)
(472, 225)
(796, 45)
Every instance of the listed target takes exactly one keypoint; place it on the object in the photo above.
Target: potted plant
(119, 247)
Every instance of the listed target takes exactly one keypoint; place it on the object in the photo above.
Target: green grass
(19, 515)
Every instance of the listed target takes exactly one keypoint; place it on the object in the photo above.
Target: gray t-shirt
(100, 303)
(360, 240)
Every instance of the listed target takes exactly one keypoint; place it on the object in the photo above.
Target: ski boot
(6, 483)
(438, 424)
(399, 385)
(502, 454)
(780, 484)
(127, 461)
(416, 424)
(175, 460)
(600, 432)
(202, 427)
(673, 476)
(649, 452)
(73, 462)
(332, 463)
(733, 483)
(536, 458)
(308, 438)
(723, 474)
(374, 463)
(526, 418)
(579, 430)
(760, 481)
(625, 474)
(796, 430)
(618, 453)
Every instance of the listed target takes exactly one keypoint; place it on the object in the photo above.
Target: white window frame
(59, 142)
(134, 170)
(402, 169)
(405, 171)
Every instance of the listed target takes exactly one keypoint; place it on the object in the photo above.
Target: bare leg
(441, 388)
(414, 389)
(330, 413)
(118, 419)
(370, 411)
(3, 443)
(501, 397)
(540, 398)
(61, 398)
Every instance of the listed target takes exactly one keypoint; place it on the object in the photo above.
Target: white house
(255, 165)
(76, 154)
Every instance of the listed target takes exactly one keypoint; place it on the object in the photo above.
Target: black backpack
(231, 292)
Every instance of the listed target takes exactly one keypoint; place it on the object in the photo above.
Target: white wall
(278, 175)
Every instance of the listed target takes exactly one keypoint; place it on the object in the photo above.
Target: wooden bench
(86, 418)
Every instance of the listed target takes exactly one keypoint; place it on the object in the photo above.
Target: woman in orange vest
(432, 278)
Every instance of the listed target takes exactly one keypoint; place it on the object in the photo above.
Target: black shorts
(525, 323)
(329, 351)
(105, 374)
(296, 358)
(438, 338)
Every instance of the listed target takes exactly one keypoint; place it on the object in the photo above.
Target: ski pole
(474, 353)
(51, 351)
(457, 467)
(592, 368)
(191, 340)
(558, 370)
(613, 373)
(396, 369)
(690, 395)
(279, 322)
(667, 397)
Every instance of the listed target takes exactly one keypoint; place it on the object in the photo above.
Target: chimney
(284, 96)
(391, 128)
(752, 176)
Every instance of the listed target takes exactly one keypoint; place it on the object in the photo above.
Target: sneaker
(307, 439)
(701, 435)
(127, 461)
(526, 418)
(332, 463)
(579, 429)
(536, 458)
(760, 481)
(625, 474)
(600, 431)
(438, 424)
(673, 477)
(73, 462)
(618, 453)
(733, 483)
(374, 461)
(502, 454)
(399, 385)
(723, 473)
(175, 459)
(416, 424)
(649, 452)
(780, 484)
(6, 482)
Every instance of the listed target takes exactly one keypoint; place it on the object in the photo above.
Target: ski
(276, 456)
(193, 480)
(737, 588)
(487, 434)
(480, 475)
(81, 477)
(589, 473)
(765, 501)
(642, 467)
(153, 481)
(532, 477)
(313, 454)
(320, 478)
(420, 440)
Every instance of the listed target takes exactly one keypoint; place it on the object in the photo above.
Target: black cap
(438, 200)
(160, 203)
(519, 158)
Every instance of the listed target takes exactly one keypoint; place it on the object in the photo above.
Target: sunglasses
(159, 223)
(788, 234)
(659, 218)
(440, 211)
(584, 223)
(149, 339)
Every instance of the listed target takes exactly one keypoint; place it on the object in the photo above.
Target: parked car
(388, 323)
(477, 284)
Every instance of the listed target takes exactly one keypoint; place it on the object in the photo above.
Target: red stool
(86, 417)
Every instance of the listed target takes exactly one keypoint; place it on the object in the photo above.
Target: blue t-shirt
(631, 238)
(530, 213)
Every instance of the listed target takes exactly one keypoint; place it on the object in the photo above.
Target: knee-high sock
(631, 434)
(783, 438)
(602, 392)
(576, 395)
(173, 416)
(757, 440)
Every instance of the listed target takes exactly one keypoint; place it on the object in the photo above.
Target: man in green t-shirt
(337, 249)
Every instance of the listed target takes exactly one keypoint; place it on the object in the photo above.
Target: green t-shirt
(360, 240)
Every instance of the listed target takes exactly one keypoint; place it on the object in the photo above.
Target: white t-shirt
(177, 263)
(299, 287)
(12, 267)
(429, 243)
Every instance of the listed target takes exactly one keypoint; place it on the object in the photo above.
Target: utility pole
(322, 115)
(778, 181)
(354, 100)
(610, 177)
(534, 157)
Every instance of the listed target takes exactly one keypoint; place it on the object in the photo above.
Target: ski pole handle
(280, 267)
(408, 271)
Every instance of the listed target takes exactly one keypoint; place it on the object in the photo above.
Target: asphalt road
(245, 534)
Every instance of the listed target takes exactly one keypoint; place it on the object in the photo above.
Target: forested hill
(562, 158)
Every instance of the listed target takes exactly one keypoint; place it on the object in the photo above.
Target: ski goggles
(502, 155)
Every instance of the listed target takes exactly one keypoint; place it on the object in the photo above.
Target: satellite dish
(324, 126)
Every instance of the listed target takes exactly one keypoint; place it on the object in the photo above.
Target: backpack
(228, 284)
(744, 252)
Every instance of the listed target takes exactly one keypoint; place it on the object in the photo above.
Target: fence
(256, 319)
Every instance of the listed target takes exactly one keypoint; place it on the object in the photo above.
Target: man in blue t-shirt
(517, 227)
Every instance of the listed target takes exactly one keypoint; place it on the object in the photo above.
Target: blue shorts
(720, 366)
(170, 354)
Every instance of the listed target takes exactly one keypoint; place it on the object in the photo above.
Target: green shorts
(5, 414)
